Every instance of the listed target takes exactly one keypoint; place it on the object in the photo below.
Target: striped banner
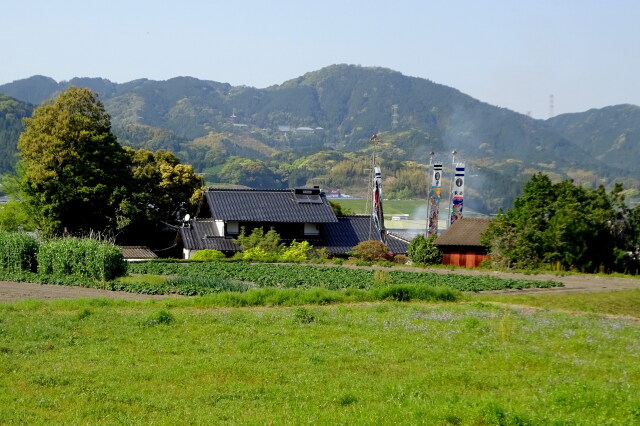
(457, 193)
(434, 198)
(378, 214)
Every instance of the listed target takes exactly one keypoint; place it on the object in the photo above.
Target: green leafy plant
(84, 257)
(18, 252)
(208, 255)
(372, 251)
(422, 250)
(296, 252)
(268, 242)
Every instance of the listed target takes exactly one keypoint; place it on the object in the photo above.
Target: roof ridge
(249, 190)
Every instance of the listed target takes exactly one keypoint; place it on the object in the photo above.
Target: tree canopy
(75, 172)
(566, 226)
(74, 176)
(161, 186)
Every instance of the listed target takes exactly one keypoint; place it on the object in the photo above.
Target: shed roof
(273, 205)
(465, 231)
(199, 235)
(138, 252)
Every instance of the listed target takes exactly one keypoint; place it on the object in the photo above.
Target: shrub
(82, 257)
(303, 315)
(372, 251)
(18, 252)
(160, 318)
(422, 250)
(400, 259)
(269, 242)
(296, 252)
(208, 255)
(258, 254)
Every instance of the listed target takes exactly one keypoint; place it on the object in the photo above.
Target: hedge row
(82, 257)
(18, 252)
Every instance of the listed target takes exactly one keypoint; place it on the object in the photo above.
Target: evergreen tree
(565, 226)
(75, 172)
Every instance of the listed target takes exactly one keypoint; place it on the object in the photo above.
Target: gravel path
(13, 291)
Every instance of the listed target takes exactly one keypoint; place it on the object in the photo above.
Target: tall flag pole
(431, 154)
(378, 214)
(457, 194)
(434, 199)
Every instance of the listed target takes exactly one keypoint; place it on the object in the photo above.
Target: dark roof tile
(343, 236)
(252, 205)
(200, 235)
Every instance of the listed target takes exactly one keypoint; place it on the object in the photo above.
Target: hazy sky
(509, 53)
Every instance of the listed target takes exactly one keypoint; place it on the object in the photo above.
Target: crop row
(333, 278)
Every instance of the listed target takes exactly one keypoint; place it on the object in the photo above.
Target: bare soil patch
(14, 291)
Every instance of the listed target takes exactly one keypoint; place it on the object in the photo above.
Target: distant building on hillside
(304, 131)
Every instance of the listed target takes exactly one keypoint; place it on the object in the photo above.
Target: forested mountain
(610, 134)
(316, 128)
(11, 114)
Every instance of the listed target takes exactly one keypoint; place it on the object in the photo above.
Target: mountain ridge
(206, 122)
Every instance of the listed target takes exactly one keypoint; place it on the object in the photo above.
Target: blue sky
(512, 54)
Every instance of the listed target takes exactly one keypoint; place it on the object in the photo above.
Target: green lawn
(612, 302)
(182, 361)
(359, 206)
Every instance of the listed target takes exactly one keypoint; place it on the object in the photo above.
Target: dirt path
(572, 283)
(13, 291)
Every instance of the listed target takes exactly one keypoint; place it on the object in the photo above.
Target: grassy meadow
(185, 360)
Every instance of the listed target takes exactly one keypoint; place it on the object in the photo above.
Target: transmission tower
(394, 116)
(551, 106)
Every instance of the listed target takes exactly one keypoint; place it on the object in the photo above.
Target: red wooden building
(460, 243)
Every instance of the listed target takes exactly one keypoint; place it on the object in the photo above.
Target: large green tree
(76, 175)
(161, 186)
(566, 226)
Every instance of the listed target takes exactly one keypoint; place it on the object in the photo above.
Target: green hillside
(11, 114)
(315, 129)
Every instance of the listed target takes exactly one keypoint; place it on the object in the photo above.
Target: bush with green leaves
(269, 242)
(257, 254)
(296, 252)
(422, 250)
(208, 255)
(372, 251)
(400, 259)
(84, 257)
(18, 252)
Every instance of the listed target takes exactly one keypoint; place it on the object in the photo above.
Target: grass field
(391, 207)
(612, 303)
(181, 361)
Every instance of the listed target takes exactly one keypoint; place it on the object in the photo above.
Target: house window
(311, 229)
(232, 227)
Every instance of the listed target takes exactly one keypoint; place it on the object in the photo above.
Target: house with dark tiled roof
(460, 243)
(302, 214)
